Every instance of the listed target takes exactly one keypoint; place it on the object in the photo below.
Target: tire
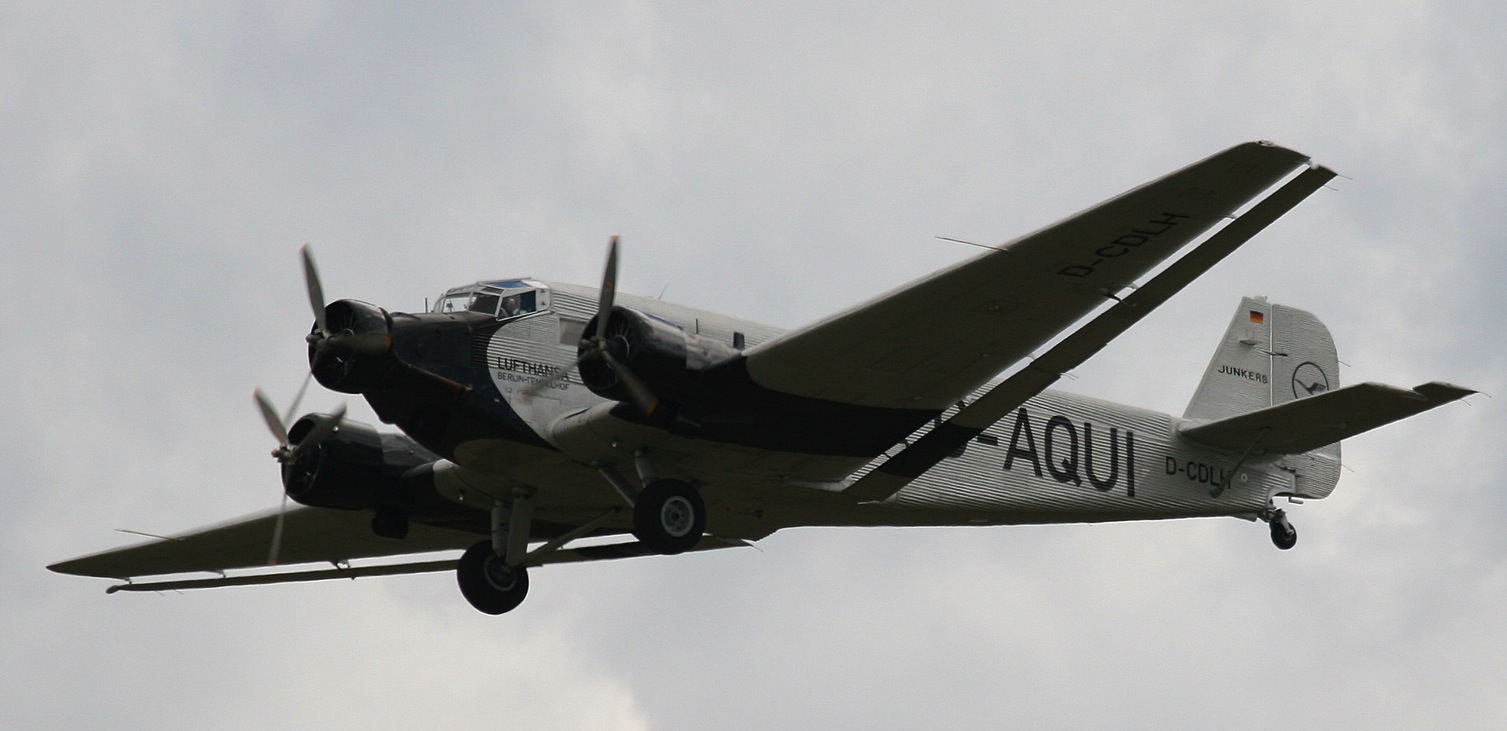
(487, 582)
(1284, 536)
(669, 517)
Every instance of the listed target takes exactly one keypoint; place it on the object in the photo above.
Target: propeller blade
(277, 533)
(609, 289)
(642, 397)
(559, 375)
(269, 414)
(316, 292)
(293, 409)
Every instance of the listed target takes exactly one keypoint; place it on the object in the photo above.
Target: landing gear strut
(491, 574)
(1284, 536)
(669, 516)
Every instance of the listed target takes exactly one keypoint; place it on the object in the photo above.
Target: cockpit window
(521, 303)
(503, 299)
(453, 302)
(485, 303)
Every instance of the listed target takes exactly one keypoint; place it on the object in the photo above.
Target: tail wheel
(1284, 535)
(487, 581)
(669, 516)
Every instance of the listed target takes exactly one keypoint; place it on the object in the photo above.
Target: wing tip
(79, 567)
(1441, 392)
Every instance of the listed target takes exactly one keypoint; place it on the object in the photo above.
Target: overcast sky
(161, 164)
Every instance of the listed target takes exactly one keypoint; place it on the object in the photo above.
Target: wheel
(1284, 536)
(669, 516)
(487, 582)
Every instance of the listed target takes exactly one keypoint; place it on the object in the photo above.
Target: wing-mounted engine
(669, 361)
(356, 468)
(695, 386)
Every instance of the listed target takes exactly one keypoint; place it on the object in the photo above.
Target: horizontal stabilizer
(1300, 426)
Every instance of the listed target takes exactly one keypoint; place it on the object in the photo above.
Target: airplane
(544, 422)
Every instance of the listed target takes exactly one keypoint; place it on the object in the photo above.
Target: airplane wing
(1002, 398)
(309, 535)
(931, 342)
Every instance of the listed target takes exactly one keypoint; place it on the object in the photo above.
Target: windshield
(503, 300)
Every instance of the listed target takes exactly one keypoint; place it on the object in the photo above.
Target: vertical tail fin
(1272, 354)
(1238, 379)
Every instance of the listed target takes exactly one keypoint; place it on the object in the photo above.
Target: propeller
(288, 454)
(323, 340)
(316, 292)
(601, 343)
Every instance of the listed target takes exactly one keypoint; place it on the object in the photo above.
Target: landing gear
(1284, 536)
(493, 574)
(669, 516)
(488, 582)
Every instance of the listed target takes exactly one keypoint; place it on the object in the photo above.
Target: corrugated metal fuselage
(1059, 458)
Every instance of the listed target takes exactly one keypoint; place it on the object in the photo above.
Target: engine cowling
(663, 355)
(355, 468)
(357, 353)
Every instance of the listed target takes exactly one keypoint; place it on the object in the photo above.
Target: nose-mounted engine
(349, 347)
(358, 347)
(396, 361)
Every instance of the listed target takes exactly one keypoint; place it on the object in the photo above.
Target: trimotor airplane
(545, 422)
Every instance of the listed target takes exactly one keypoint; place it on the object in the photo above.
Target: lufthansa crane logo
(1308, 379)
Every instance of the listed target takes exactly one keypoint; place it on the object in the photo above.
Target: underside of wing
(606, 552)
(1310, 423)
(929, 343)
(309, 535)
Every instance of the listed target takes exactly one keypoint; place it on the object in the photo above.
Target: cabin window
(571, 331)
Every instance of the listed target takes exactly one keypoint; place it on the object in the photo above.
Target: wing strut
(353, 572)
(899, 470)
